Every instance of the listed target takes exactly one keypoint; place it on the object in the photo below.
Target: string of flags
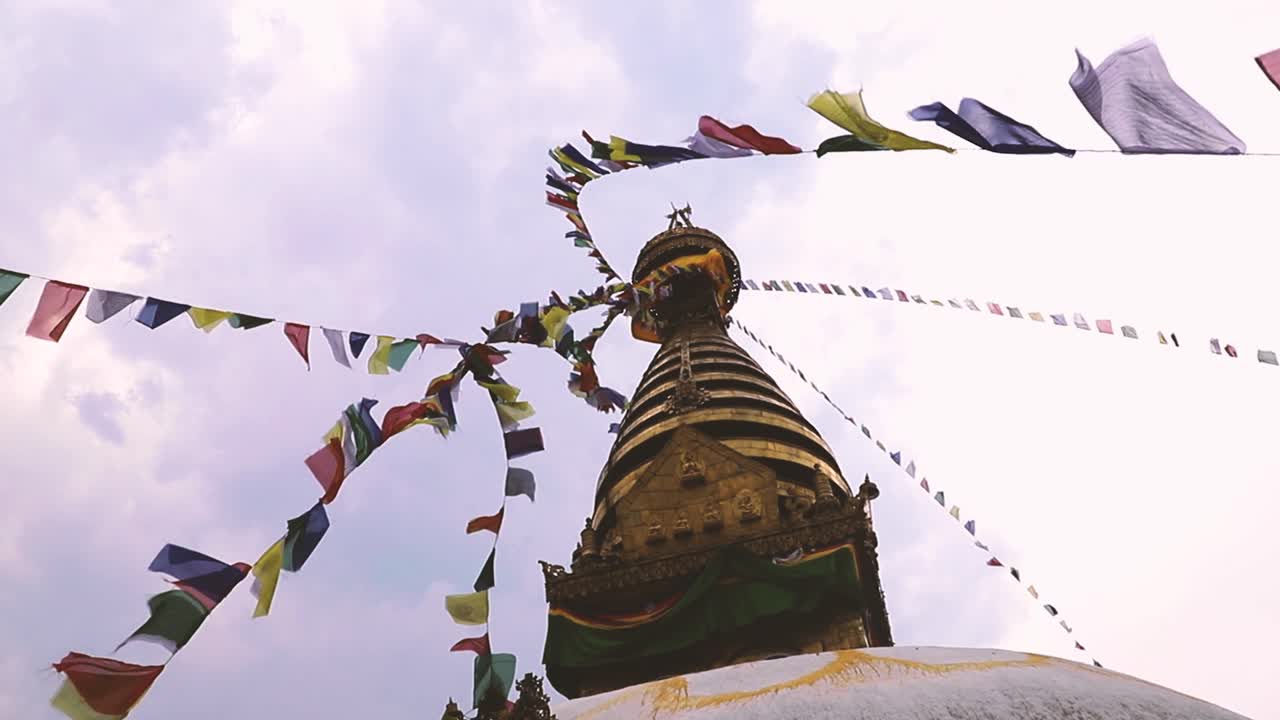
(939, 496)
(1076, 320)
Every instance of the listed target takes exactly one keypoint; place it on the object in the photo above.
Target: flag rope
(909, 469)
(1077, 320)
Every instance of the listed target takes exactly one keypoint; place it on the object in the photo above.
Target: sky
(377, 166)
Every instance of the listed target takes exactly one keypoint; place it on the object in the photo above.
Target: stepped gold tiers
(711, 459)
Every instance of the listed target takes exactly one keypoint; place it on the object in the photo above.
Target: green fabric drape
(733, 590)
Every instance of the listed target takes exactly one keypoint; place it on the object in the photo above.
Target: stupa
(728, 568)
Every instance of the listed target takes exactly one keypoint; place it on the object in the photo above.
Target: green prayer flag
(845, 143)
(485, 580)
(497, 671)
(9, 281)
(175, 617)
(246, 322)
(400, 352)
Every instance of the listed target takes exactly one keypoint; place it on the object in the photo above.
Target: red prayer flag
(58, 303)
(424, 339)
(1079, 646)
(298, 336)
(745, 136)
(400, 417)
(1231, 351)
(1104, 326)
(994, 308)
(477, 645)
(492, 523)
(561, 201)
(995, 563)
(109, 687)
(1270, 64)
(329, 467)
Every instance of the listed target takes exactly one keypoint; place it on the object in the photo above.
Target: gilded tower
(722, 529)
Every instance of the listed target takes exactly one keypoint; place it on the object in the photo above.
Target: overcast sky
(377, 166)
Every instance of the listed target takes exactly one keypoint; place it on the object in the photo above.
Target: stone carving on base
(550, 571)
(682, 528)
(711, 519)
(691, 472)
(656, 533)
(747, 503)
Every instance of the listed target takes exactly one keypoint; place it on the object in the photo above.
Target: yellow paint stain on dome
(848, 667)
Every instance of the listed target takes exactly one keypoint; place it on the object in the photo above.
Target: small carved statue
(711, 519)
(451, 711)
(655, 532)
(682, 526)
(690, 469)
(531, 702)
(748, 505)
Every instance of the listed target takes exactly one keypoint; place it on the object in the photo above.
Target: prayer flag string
(1076, 320)
(911, 471)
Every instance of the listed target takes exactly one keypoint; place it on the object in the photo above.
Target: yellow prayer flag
(618, 151)
(207, 319)
(468, 608)
(850, 113)
(955, 511)
(381, 357)
(564, 158)
(510, 413)
(266, 573)
(554, 320)
(501, 391)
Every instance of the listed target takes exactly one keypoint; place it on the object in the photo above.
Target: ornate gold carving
(656, 533)
(686, 395)
(682, 528)
(691, 472)
(711, 519)
(747, 503)
(552, 572)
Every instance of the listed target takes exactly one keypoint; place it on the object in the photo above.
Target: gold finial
(682, 217)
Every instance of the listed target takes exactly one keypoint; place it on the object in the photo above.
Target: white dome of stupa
(898, 683)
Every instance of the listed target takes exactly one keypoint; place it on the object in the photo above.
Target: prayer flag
(1064, 625)
(1015, 312)
(266, 575)
(1229, 350)
(902, 296)
(885, 293)
(1129, 332)
(1079, 646)
(924, 484)
(304, 533)
(1059, 320)
(849, 112)
(1097, 664)
(1134, 99)
(102, 303)
(1268, 357)
(955, 512)
(825, 288)
(911, 469)
(1160, 337)
(493, 673)
(399, 354)
(971, 527)
(941, 498)
(1016, 575)
(846, 143)
(379, 360)
(982, 545)
(357, 341)
(298, 336)
(1104, 326)
(328, 466)
(988, 128)
(1080, 322)
(1051, 609)
(745, 136)
(896, 457)
(1174, 338)
(175, 617)
(1036, 316)
(520, 482)
(995, 308)
(207, 579)
(206, 319)
(867, 292)
(800, 286)
(993, 562)
(156, 312)
(711, 147)
(100, 688)
(752, 284)
(240, 321)
(955, 304)
(484, 580)
(336, 346)
(969, 303)
(468, 608)
(58, 303)
(1213, 346)
(477, 645)
(9, 281)
(522, 442)
(1031, 590)
(1270, 65)
(838, 291)
(492, 523)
